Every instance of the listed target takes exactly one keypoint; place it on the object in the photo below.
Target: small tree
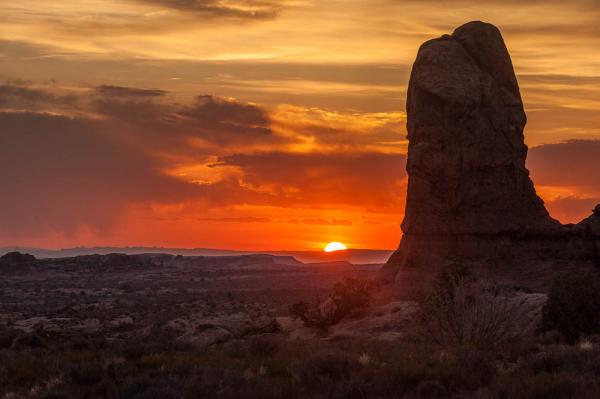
(347, 299)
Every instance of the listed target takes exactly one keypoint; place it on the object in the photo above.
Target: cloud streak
(240, 9)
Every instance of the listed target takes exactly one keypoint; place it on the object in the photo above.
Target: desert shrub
(573, 304)
(87, 372)
(564, 359)
(347, 299)
(460, 311)
(431, 389)
(465, 369)
(543, 386)
(209, 379)
(53, 395)
(159, 393)
(326, 372)
(34, 339)
(106, 388)
(264, 345)
(7, 336)
(23, 369)
(134, 386)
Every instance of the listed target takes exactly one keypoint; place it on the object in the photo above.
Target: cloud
(121, 91)
(368, 180)
(228, 122)
(21, 95)
(562, 79)
(566, 176)
(73, 157)
(574, 163)
(572, 209)
(238, 9)
(85, 158)
(58, 174)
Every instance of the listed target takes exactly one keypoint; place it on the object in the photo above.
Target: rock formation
(16, 261)
(469, 192)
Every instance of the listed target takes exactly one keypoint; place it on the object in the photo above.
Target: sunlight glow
(334, 246)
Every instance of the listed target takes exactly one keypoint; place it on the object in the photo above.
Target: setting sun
(334, 246)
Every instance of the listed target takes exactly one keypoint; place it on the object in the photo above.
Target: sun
(334, 246)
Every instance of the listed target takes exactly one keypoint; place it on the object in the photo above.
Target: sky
(259, 124)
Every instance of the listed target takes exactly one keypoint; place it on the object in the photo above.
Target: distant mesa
(469, 193)
(355, 256)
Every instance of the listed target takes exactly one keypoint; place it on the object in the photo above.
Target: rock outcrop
(16, 262)
(469, 192)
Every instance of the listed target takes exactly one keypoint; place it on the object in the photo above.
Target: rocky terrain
(200, 300)
(469, 192)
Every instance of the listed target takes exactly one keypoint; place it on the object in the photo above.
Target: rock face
(469, 192)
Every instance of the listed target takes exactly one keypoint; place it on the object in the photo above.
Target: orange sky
(258, 124)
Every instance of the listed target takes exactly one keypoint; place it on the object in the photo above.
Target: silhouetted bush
(87, 372)
(543, 386)
(7, 336)
(460, 311)
(159, 393)
(573, 306)
(347, 299)
(53, 395)
(324, 372)
(34, 339)
(431, 389)
(264, 345)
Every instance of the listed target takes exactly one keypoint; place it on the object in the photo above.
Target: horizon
(159, 124)
(188, 248)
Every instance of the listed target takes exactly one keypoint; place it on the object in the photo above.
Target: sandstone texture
(469, 192)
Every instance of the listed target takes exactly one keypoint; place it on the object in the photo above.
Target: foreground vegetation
(37, 366)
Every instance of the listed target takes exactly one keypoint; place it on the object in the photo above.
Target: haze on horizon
(261, 125)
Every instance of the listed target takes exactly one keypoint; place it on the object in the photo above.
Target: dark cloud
(240, 9)
(227, 122)
(573, 163)
(214, 121)
(149, 115)
(121, 91)
(20, 95)
(60, 173)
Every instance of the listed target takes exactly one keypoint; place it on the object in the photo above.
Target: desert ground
(164, 326)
